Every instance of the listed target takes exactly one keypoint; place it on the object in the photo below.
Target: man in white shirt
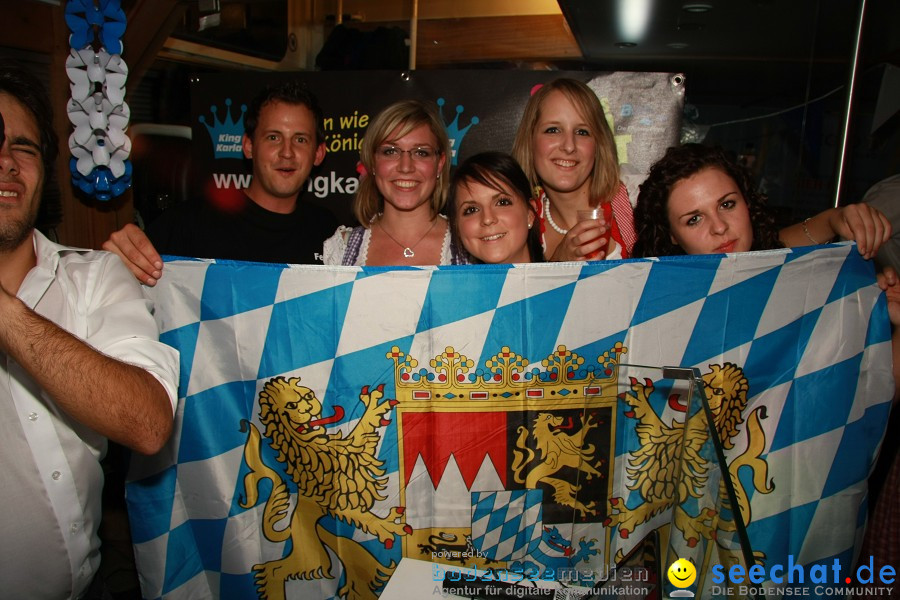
(80, 363)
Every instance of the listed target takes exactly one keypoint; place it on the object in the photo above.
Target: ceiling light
(677, 45)
(625, 44)
(697, 7)
(633, 18)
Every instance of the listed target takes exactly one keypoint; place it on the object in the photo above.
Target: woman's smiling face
(407, 168)
(564, 146)
(493, 222)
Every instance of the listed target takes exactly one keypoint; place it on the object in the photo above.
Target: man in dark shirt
(284, 139)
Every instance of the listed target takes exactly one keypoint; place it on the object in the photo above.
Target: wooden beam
(401, 10)
(149, 25)
(194, 53)
(482, 39)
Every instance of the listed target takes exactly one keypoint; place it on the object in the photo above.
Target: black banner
(480, 108)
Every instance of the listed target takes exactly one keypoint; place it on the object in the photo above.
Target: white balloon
(79, 87)
(115, 88)
(101, 155)
(98, 120)
(84, 158)
(117, 159)
(117, 139)
(98, 111)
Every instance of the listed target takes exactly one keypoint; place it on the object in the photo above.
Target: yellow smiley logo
(682, 573)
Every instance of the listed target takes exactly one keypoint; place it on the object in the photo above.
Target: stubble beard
(15, 230)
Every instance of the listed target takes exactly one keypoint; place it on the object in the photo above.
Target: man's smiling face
(284, 149)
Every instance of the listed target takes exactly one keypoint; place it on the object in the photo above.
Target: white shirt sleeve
(118, 318)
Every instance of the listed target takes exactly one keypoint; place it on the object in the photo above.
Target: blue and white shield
(507, 524)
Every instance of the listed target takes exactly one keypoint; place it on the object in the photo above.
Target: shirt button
(32, 416)
(55, 475)
(73, 527)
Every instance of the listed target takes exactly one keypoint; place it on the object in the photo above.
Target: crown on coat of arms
(506, 376)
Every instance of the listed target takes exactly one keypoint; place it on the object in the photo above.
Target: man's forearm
(121, 401)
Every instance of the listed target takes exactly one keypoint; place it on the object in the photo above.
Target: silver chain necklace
(407, 250)
(550, 220)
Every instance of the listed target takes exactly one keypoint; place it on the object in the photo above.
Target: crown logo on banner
(226, 134)
(507, 375)
(453, 131)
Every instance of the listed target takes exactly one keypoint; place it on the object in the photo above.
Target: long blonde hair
(605, 175)
(403, 116)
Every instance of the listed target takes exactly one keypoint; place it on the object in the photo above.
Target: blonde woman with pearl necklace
(569, 154)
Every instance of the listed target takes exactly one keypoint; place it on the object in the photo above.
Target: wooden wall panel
(20, 23)
(443, 42)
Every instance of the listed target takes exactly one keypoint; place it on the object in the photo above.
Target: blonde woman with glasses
(406, 156)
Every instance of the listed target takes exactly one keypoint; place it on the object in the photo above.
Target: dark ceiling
(766, 48)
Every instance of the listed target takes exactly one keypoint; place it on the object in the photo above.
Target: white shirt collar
(40, 277)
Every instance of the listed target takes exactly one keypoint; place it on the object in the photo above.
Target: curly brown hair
(654, 232)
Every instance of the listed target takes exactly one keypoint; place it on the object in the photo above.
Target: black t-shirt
(244, 232)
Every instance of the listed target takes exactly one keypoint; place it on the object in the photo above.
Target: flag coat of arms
(334, 420)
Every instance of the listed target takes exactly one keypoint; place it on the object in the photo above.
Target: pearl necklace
(550, 220)
(407, 250)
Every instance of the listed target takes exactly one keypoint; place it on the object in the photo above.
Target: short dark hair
(289, 91)
(651, 215)
(493, 169)
(22, 85)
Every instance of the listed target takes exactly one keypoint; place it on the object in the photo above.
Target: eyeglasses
(393, 153)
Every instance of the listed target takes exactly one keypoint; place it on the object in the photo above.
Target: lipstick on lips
(726, 247)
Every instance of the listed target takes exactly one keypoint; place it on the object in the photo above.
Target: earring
(530, 224)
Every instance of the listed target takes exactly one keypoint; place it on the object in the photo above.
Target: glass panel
(706, 500)
(668, 497)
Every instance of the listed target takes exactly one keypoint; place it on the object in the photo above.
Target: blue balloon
(82, 17)
(100, 182)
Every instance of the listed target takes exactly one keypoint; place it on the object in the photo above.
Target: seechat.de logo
(793, 579)
(682, 573)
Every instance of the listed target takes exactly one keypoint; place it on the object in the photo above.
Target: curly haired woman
(697, 200)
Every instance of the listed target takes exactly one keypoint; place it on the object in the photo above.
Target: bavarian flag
(334, 421)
